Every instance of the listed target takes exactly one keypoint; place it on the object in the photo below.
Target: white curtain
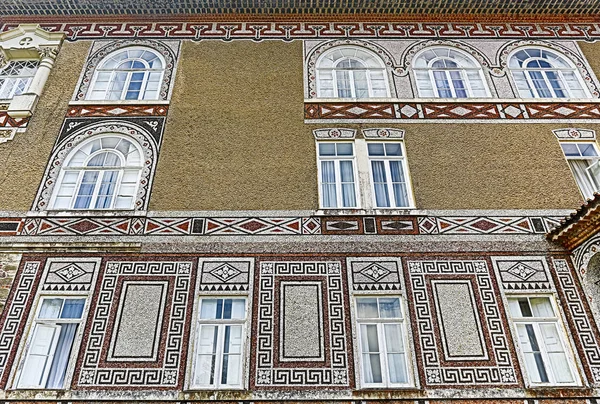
(382, 198)
(347, 176)
(328, 184)
(584, 181)
(56, 377)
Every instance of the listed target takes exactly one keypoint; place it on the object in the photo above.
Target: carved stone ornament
(383, 133)
(575, 134)
(334, 133)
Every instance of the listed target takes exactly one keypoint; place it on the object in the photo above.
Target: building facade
(265, 202)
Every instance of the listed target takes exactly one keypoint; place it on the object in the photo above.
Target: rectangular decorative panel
(139, 321)
(459, 321)
(301, 322)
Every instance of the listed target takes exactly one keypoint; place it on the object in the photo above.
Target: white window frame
(403, 322)
(53, 323)
(220, 323)
(147, 71)
(592, 161)
(338, 183)
(15, 78)
(386, 160)
(558, 70)
(462, 70)
(368, 72)
(535, 321)
(83, 169)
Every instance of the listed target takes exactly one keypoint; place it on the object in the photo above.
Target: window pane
(50, 308)
(367, 307)
(570, 149)
(56, 377)
(344, 149)
(393, 149)
(211, 308)
(233, 308)
(389, 307)
(206, 361)
(326, 149)
(382, 198)
(371, 358)
(587, 149)
(541, 307)
(232, 348)
(531, 351)
(558, 359)
(375, 149)
(73, 308)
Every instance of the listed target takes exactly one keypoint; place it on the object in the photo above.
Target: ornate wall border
(169, 53)
(498, 369)
(258, 30)
(575, 134)
(15, 314)
(584, 253)
(578, 315)
(147, 132)
(167, 371)
(585, 70)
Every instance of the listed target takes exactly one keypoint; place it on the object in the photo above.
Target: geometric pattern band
(257, 31)
(489, 111)
(274, 226)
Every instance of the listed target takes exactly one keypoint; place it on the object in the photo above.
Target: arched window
(16, 77)
(128, 74)
(448, 73)
(541, 73)
(351, 72)
(101, 173)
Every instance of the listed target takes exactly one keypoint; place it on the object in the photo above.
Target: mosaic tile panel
(77, 111)
(70, 275)
(300, 370)
(318, 30)
(100, 368)
(377, 275)
(7, 121)
(225, 275)
(495, 366)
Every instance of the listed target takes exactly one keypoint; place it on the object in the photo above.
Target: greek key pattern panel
(225, 274)
(584, 335)
(165, 372)
(258, 31)
(376, 275)
(15, 315)
(452, 111)
(333, 371)
(528, 274)
(498, 368)
(273, 226)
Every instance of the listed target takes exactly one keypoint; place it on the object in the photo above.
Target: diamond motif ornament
(521, 271)
(375, 272)
(512, 111)
(225, 272)
(70, 272)
(408, 111)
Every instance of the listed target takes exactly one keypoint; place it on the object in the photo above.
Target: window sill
(87, 213)
(119, 102)
(365, 212)
(449, 100)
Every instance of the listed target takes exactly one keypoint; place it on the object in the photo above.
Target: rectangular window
(382, 341)
(584, 161)
(548, 361)
(337, 177)
(388, 175)
(50, 344)
(219, 355)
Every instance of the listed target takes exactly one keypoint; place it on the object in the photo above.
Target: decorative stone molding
(168, 51)
(575, 134)
(584, 70)
(334, 133)
(383, 133)
(30, 41)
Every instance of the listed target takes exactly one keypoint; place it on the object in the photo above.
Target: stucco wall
(591, 51)
(235, 137)
(24, 158)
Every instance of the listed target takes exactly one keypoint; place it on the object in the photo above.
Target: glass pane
(389, 307)
(211, 308)
(367, 308)
(393, 149)
(233, 308)
(397, 368)
(382, 198)
(344, 149)
(587, 149)
(372, 368)
(393, 338)
(73, 308)
(326, 149)
(56, 377)
(375, 149)
(541, 307)
(50, 308)
(570, 149)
